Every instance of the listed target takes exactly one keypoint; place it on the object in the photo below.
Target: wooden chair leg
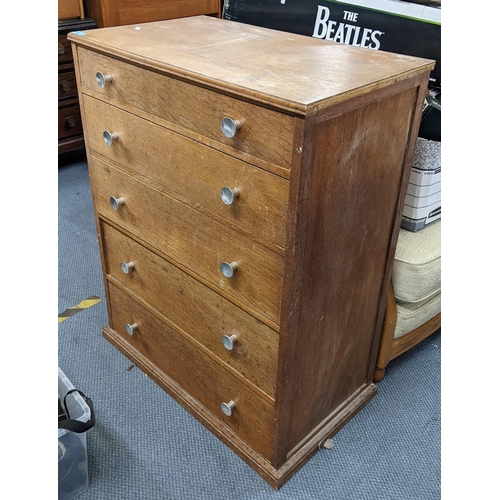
(390, 347)
(387, 336)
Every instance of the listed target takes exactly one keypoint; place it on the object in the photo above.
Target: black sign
(345, 23)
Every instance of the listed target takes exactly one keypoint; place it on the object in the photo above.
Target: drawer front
(195, 308)
(64, 49)
(69, 121)
(264, 133)
(193, 171)
(191, 239)
(66, 85)
(194, 371)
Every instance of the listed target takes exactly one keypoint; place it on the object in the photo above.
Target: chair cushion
(411, 316)
(416, 274)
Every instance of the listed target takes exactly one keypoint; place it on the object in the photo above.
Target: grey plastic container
(72, 446)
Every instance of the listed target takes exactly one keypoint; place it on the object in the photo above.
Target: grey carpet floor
(144, 446)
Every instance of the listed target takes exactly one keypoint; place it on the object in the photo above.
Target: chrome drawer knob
(103, 79)
(116, 203)
(109, 137)
(131, 328)
(228, 341)
(227, 408)
(230, 127)
(127, 267)
(228, 269)
(228, 195)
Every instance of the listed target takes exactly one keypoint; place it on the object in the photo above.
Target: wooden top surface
(294, 72)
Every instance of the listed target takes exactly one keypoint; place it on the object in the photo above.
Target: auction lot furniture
(248, 188)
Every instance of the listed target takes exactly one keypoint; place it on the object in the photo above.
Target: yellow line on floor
(84, 304)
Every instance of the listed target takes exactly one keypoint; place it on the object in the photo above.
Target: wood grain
(205, 380)
(195, 308)
(337, 124)
(194, 173)
(350, 198)
(191, 240)
(291, 72)
(120, 12)
(264, 133)
(68, 9)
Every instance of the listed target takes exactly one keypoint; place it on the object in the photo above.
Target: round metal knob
(127, 267)
(228, 195)
(228, 341)
(69, 122)
(103, 79)
(109, 137)
(131, 328)
(65, 85)
(116, 203)
(227, 408)
(228, 269)
(60, 48)
(230, 127)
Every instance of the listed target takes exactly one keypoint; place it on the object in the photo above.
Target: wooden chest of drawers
(248, 188)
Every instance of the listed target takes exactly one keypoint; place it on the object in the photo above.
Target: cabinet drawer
(66, 85)
(191, 239)
(194, 171)
(69, 121)
(195, 308)
(264, 133)
(64, 53)
(200, 376)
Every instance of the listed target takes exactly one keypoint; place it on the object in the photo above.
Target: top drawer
(262, 133)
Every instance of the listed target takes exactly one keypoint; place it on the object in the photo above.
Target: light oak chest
(248, 189)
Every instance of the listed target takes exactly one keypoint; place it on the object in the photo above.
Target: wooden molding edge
(275, 477)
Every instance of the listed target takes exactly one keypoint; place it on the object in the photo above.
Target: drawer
(66, 85)
(264, 133)
(191, 239)
(69, 121)
(194, 371)
(195, 308)
(65, 53)
(193, 171)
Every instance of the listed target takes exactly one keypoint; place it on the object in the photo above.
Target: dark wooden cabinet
(69, 123)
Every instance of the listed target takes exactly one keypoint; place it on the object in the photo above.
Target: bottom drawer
(209, 383)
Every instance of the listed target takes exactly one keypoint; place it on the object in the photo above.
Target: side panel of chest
(337, 276)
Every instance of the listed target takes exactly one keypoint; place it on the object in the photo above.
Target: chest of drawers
(248, 187)
(70, 132)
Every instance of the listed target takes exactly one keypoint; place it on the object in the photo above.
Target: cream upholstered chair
(413, 308)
